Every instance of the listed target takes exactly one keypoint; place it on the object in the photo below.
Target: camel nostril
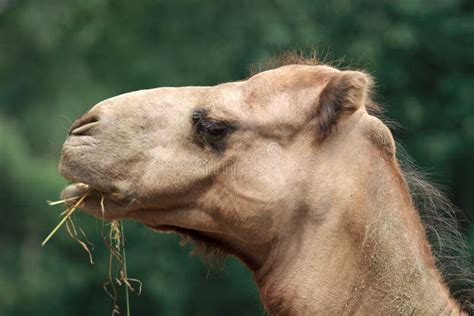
(82, 125)
(83, 128)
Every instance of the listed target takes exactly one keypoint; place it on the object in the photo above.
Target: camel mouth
(76, 190)
(101, 204)
(79, 189)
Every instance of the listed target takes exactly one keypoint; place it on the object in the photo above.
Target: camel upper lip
(79, 184)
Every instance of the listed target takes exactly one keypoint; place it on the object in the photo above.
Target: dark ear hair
(344, 93)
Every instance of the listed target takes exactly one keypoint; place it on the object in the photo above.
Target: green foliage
(58, 58)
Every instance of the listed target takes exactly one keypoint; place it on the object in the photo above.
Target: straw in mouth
(114, 240)
(67, 214)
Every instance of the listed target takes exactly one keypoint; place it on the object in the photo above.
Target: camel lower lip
(75, 190)
(78, 189)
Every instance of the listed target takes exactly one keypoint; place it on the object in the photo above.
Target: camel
(289, 170)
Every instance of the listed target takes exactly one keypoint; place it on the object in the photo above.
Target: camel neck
(365, 254)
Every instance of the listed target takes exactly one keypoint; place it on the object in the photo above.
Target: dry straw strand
(67, 215)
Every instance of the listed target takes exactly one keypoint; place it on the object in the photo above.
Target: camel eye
(210, 131)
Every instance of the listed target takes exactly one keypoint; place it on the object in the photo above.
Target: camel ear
(343, 94)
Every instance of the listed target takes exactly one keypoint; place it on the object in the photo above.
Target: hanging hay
(115, 242)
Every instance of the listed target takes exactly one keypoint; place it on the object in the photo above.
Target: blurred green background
(58, 58)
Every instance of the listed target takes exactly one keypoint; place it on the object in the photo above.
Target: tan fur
(306, 189)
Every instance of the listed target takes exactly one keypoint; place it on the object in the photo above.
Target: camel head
(286, 170)
(233, 165)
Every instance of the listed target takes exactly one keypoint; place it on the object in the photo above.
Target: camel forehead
(282, 95)
(277, 90)
(282, 78)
